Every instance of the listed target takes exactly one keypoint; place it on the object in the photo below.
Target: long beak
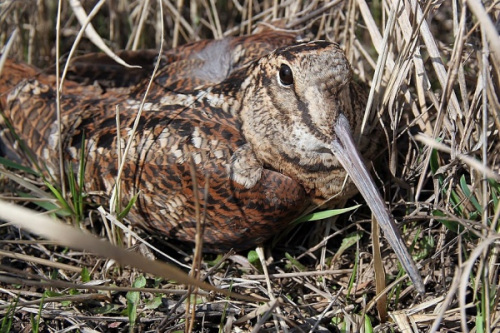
(347, 154)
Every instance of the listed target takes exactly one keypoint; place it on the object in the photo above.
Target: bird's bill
(347, 154)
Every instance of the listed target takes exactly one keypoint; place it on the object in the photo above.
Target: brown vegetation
(432, 69)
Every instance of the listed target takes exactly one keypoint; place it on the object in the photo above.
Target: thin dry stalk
(433, 69)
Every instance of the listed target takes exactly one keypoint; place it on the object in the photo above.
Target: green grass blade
(325, 214)
(6, 324)
(59, 197)
(129, 206)
(46, 205)
(81, 178)
(434, 162)
(14, 165)
(352, 278)
(465, 188)
(295, 263)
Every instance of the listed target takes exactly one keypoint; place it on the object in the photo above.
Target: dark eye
(286, 76)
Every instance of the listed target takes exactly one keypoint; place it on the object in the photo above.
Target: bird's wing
(174, 132)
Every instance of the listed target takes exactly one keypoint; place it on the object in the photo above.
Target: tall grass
(431, 69)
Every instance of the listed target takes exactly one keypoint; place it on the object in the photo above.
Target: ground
(436, 81)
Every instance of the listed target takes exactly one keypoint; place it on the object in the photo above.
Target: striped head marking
(293, 97)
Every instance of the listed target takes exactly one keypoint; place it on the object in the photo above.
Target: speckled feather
(257, 143)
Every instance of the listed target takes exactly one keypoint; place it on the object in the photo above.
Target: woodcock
(266, 121)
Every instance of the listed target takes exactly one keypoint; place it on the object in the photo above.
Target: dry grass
(433, 69)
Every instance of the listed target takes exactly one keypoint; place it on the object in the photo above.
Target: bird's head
(292, 98)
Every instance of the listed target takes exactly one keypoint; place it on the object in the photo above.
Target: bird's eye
(286, 76)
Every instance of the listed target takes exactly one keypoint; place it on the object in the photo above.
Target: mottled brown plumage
(257, 125)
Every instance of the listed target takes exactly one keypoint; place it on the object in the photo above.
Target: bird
(253, 131)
